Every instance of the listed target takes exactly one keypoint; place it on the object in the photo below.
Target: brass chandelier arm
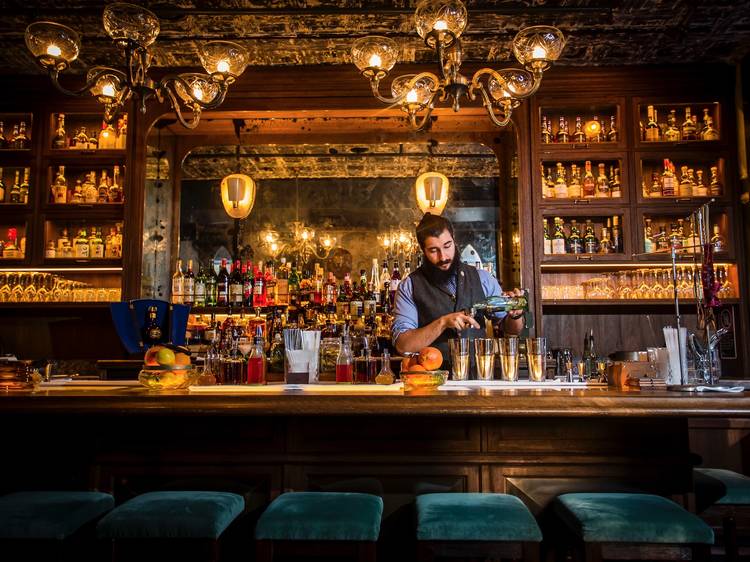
(506, 107)
(54, 74)
(170, 81)
(174, 102)
(375, 85)
(424, 123)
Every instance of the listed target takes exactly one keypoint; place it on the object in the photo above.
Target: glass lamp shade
(440, 15)
(238, 195)
(511, 83)
(52, 44)
(431, 190)
(224, 58)
(538, 46)
(200, 87)
(125, 22)
(374, 55)
(413, 96)
(108, 86)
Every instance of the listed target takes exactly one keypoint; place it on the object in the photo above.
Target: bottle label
(236, 293)
(558, 246)
(548, 246)
(200, 293)
(188, 289)
(82, 250)
(97, 250)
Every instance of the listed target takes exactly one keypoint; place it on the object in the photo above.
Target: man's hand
(515, 293)
(459, 321)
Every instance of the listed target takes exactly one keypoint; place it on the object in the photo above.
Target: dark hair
(432, 225)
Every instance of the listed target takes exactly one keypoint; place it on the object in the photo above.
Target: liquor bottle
(656, 185)
(199, 287)
(612, 134)
(11, 249)
(236, 285)
(2, 187)
(708, 132)
(714, 187)
(60, 140)
(178, 284)
(590, 242)
(561, 188)
(22, 140)
(549, 185)
(668, 180)
(25, 186)
(547, 239)
(96, 244)
(345, 360)
(652, 133)
(15, 191)
(605, 244)
(662, 241)
(588, 183)
(575, 242)
(559, 242)
(602, 183)
(259, 286)
(692, 241)
(256, 359)
(689, 132)
(589, 356)
(107, 136)
(693, 184)
(501, 303)
(270, 277)
(115, 191)
(3, 140)
(103, 195)
(395, 280)
(375, 279)
(599, 136)
(77, 195)
(294, 296)
(212, 282)
(718, 242)
(356, 304)
(675, 240)
(188, 285)
(546, 130)
(13, 137)
(574, 187)
(685, 187)
(90, 192)
(617, 241)
(648, 242)
(152, 332)
(81, 139)
(62, 241)
(563, 134)
(672, 134)
(222, 285)
(701, 189)
(579, 136)
(81, 244)
(122, 132)
(615, 187)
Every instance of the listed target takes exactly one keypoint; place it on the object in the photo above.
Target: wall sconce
(238, 195)
(431, 189)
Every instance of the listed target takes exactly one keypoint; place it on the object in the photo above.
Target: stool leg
(592, 552)
(701, 552)
(424, 552)
(366, 551)
(731, 549)
(530, 551)
(264, 551)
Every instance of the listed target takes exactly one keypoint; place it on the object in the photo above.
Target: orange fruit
(181, 359)
(416, 367)
(150, 357)
(430, 358)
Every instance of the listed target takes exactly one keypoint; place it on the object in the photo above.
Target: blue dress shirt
(405, 315)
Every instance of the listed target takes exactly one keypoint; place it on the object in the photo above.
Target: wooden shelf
(82, 262)
(52, 305)
(81, 156)
(98, 211)
(624, 302)
(248, 310)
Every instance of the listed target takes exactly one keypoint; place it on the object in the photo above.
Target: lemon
(165, 357)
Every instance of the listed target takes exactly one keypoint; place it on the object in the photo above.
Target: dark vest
(433, 302)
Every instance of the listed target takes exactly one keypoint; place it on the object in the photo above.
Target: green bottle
(211, 282)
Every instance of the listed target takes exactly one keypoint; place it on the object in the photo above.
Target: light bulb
(274, 247)
(108, 90)
(386, 242)
(375, 61)
(53, 50)
(412, 96)
(440, 25)
(198, 93)
(326, 242)
(304, 235)
(539, 53)
(222, 66)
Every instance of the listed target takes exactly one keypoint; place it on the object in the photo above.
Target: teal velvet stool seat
(193, 521)
(318, 523)
(54, 524)
(476, 524)
(722, 499)
(644, 525)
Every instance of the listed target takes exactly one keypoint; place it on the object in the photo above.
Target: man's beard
(437, 276)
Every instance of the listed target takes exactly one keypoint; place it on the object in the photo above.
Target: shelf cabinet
(664, 123)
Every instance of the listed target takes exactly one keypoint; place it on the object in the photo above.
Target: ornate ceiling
(294, 32)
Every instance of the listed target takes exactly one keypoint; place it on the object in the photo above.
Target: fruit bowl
(423, 380)
(155, 378)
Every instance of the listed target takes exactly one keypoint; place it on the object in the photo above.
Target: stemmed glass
(4, 287)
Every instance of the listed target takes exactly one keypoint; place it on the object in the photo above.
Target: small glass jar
(329, 351)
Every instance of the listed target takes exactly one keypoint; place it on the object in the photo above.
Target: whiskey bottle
(714, 187)
(11, 249)
(107, 137)
(15, 191)
(589, 183)
(152, 333)
(579, 135)
(2, 187)
(547, 239)
(81, 244)
(693, 184)
(3, 141)
(605, 245)
(22, 140)
(675, 240)
(96, 244)
(602, 183)
(60, 187)
(686, 188)
(656, 184)
(617, 242)
(77, 195)
(648, 242)
(188, 285)
(82, 139)
(550, 184)
(668, 180)
(122, 132)
(25, 186)
(662, 241)
(90, 192)
(558, 238)
(178, 283)
(652, 133)
(575, 242)
(692, 241)
(615, 188)
(709, 132)
(103, 195)
(590, 242)
(546, 130)
(717, 241)
(60, 140)
(612, 134)
(599, 135)
(563, 134)
(574, 188)
(689, 132)
(701, 189)
(115, 191)
(561, 188)
(672, 134)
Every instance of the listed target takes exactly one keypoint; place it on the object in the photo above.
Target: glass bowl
(168, 379)
(423, 380)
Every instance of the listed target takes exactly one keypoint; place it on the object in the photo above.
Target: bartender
(430, 303)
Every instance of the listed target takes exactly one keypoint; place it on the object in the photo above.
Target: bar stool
(50, 525)
(722, 499)
(320, 523)
(476, 524)
(156, 524)
(633, 526)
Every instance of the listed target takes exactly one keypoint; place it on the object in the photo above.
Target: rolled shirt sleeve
(405, 314)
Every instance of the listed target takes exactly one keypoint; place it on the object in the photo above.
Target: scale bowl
(168, 379)
(423, 380)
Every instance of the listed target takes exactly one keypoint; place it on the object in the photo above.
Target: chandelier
(133, 29)
(299, 241)
(398, 242)
(440, 23)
